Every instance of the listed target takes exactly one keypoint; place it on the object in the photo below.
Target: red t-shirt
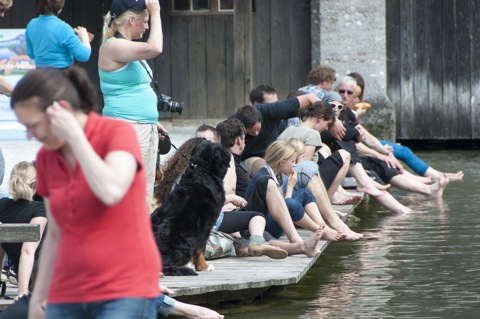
(104, 252)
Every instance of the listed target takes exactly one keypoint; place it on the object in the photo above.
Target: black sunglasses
(339, 106)
(342, 91)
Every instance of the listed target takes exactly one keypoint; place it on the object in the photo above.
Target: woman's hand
(235, 200)
(153, 6)
(162, 131)
(63, 122)
(292, 179)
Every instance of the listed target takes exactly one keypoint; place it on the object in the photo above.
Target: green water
(422, 265)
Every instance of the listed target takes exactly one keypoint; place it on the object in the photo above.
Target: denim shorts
(305, 172)
(124, 308)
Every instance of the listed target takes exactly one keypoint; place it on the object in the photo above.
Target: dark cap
(332, 96)
(120, 6)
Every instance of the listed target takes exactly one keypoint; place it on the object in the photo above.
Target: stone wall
(350, 35)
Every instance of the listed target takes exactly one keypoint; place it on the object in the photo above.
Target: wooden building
(215, 51)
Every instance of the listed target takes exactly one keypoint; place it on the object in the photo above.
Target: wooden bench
(17, 233)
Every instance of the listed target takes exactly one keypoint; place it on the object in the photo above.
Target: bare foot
(349, 234)
(341, 199)
(437, 188)
(370, 189)
(331, 234)
(309, 245)
(380, 186)
(458, 176)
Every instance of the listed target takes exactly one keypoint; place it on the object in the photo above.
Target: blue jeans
(125, 308)
(406, 155)
(296, 211)
(164, 305)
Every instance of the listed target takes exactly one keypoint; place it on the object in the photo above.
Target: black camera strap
(118, 35)
(155, 83)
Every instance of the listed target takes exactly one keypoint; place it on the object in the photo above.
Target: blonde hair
(6, 3)
(278, 151)
(111, 27)
(22, 181)
(298, 145)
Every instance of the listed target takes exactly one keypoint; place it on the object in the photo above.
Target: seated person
(208, 132)
(401, 152)
(230, 221)
(233, 137)
(22, 209)
(316, 119)
(263, 123)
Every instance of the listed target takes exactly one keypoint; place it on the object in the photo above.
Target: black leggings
(329, 168)
(237, 220)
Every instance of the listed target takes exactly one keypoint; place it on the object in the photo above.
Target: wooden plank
(475, 70)
(421, 116)
(163, 68)
(462, 112)
(250, 272)
(262, 43)
(216, 66)
(280, 47)
(230, 71)
(394, 59)
(242, 51)
(300, 48)
(19, 233)
(435, 66)
(180, 77)
(197, 73)
(405, 111)
(447, 111)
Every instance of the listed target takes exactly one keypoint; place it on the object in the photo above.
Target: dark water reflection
(422, 265)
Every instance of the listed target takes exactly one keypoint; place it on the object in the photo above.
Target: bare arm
(27, 258)
(5, 86)
(124, 51)
(109, 178)
(45, 268)
(309, 152)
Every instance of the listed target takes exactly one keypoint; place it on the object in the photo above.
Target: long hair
(174, 168)
(278, 151)
(22, 181)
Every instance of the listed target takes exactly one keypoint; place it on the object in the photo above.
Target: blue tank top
(127, 93)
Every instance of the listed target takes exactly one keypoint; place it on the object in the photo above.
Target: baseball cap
(120, 6)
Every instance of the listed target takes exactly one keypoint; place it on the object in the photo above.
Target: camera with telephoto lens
(166, 104)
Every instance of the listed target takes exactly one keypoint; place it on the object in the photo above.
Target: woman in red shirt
(99, 258)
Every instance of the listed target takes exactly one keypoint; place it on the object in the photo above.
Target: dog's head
(213, 157)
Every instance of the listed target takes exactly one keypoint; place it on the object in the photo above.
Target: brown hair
(321, 74)
(319, 109)
(50, 7)
(49, 85)
(174, 168)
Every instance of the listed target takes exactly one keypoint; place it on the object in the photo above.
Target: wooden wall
(433, 68)
(210, 61)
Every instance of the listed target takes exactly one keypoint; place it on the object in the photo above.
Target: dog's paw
(190, 265)
(210, 268)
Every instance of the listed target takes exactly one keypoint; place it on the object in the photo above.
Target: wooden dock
(234, 279)
(243, 279)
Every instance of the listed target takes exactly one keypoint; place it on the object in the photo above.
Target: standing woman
(53, 43)
(124, 75)
(21, 209)
(99, 258)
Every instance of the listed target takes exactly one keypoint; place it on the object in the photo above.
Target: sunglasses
(342, 91)
(339, 106)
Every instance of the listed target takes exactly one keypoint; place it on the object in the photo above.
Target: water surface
(422, 265)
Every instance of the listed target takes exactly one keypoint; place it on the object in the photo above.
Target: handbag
(218, 245)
